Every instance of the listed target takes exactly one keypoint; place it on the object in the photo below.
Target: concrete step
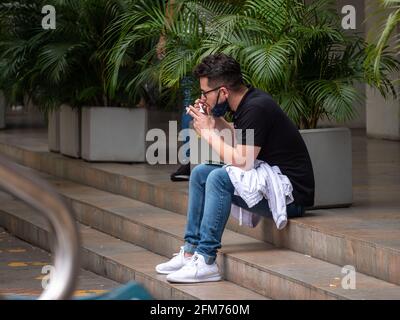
(116, 259)
(245, 261)
(366, 238)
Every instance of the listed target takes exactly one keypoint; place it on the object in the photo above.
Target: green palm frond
(106, 51)
(293, 103)
(387, 19)
(300, 54)
(335, 97)
(266, 63)
(274, 13)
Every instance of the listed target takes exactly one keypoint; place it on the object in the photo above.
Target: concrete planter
(114, 134)
(70, 131)
(54, 131)
(2, 111)
(331, 157)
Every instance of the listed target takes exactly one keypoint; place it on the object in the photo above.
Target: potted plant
(21, 75)
(94, 124)
(171, 36)
(17, 52)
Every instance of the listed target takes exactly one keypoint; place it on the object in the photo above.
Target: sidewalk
(21, 267)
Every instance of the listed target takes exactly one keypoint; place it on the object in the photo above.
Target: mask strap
(219, 90)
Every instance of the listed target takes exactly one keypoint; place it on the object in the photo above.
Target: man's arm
(241, 156)
(221, 124)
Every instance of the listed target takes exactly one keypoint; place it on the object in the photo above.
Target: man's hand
(201, 104)
(201, 122)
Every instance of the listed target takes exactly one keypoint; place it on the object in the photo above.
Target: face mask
(220, 109)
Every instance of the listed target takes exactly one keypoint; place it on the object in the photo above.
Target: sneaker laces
(193, 261)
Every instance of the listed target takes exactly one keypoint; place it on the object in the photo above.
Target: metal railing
(22, 184)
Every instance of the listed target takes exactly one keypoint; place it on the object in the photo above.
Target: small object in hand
(201, 108)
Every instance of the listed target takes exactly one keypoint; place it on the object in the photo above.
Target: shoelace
(194, 261)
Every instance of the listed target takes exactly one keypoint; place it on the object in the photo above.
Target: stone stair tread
(137, 259)
(303, 269)
(365, 250)
(349, 223)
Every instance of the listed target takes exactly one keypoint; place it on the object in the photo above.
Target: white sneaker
(196, 271)
(177, 262)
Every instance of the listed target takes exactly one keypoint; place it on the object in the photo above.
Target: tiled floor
(22, 271)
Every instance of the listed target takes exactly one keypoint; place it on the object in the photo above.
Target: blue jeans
(211, 194)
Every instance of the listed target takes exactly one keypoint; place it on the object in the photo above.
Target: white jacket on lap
(263, 181)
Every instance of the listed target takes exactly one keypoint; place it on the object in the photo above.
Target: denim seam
(211, 259)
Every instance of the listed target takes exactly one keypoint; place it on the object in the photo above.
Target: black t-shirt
(280, 141)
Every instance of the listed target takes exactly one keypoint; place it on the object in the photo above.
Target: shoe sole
(165, 272)
(210, 279)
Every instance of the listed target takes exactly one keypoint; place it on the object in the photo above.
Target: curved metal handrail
(41, 196)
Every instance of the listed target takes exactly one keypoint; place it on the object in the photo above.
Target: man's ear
(226, 92)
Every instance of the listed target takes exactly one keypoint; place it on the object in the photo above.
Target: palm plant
(387, 27)
(183, 25)
(296, 51)
(300, 54)
(19, 28)
(65, 65)
(74, 57)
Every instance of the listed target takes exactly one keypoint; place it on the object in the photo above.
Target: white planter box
(70, 131)
(331, 156)
(2, 111)
(114, 134)
(53, 132)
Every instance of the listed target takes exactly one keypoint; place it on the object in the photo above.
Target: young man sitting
(277, 141)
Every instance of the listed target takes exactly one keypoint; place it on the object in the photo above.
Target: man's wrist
(208, 135)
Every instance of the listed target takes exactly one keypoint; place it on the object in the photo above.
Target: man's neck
(236, 97)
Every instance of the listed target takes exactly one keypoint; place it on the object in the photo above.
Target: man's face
(209, 95)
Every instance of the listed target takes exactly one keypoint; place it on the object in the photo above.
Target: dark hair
(220, 69)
